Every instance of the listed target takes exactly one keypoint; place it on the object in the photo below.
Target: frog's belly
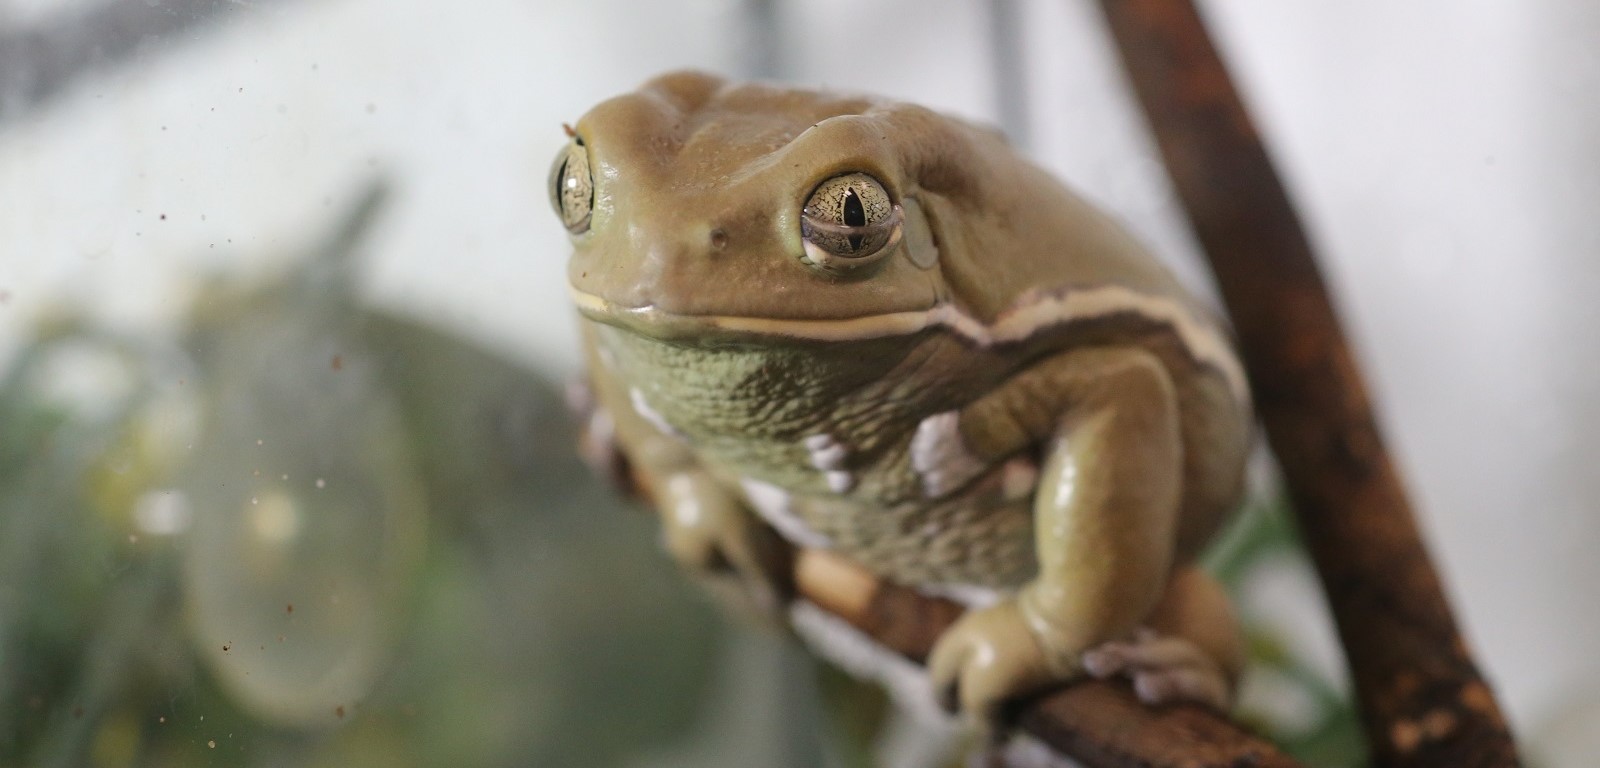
(970, 545)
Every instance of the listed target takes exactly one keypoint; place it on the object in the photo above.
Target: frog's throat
(1203, 341)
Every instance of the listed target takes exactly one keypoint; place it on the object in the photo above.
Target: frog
(849, 323)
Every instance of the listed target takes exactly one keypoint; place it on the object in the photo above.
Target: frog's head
(696, 204)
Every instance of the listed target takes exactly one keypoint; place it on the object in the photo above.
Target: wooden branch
(1423, 701)
(1098, 723)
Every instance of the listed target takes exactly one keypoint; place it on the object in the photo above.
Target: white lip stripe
(1202, 342)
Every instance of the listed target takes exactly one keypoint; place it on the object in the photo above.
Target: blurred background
(285, 473)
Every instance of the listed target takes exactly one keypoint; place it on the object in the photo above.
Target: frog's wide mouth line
(654, 321)
(1204, 343)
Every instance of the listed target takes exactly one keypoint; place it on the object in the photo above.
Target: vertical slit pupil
(854, 214)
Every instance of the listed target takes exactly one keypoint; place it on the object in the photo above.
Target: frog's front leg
(1105, 516)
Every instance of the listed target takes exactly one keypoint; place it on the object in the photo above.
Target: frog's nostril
(719, 239)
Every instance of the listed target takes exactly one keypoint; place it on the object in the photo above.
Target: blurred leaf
(1265, 530)
(1263, 527)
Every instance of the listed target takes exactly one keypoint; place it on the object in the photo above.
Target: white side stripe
(1203, 343)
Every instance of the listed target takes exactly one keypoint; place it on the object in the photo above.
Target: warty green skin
(1018, 407)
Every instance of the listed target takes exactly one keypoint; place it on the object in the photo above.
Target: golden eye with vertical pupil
(572, 187)
(849, 222)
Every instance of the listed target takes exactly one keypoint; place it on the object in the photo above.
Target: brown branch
(1423, 701)
(1101, 724)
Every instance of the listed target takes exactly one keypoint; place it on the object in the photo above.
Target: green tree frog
(876, 329)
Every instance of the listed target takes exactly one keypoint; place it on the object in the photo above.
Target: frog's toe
(1191, 685)
(1164, 669)
(989, 657)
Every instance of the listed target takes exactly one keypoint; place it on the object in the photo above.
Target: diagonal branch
(1424, 702)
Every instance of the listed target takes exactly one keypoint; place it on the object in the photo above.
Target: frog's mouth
(655, 322)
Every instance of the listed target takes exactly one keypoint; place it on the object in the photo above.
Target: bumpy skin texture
(1017, 406)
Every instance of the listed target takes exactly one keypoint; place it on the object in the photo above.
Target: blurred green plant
(1329, 736)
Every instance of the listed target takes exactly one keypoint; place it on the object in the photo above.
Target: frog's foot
(993, 655)
(713, 536)
(1165, 669)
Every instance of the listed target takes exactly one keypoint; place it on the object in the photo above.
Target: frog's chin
(654, 322)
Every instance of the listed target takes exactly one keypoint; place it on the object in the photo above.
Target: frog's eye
(572, 187)
(848, 223)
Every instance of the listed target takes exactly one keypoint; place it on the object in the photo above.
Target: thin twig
(1423, 701)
